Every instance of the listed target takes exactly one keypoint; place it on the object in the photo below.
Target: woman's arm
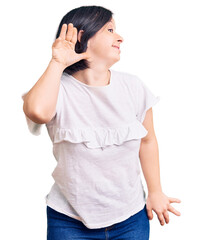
(40, 101)
(149, 159)
(149, 155)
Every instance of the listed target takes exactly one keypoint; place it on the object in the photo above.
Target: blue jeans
(63, 227)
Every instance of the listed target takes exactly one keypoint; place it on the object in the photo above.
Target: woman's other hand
(160, 204)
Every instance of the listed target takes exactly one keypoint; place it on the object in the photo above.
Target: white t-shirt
(96, 135)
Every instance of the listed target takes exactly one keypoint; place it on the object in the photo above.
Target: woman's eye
(111, 29)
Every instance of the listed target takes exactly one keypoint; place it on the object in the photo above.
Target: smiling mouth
(116, 47)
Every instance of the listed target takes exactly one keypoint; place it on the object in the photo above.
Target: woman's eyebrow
(112, 24)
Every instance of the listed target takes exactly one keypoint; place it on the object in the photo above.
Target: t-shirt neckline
(89, 86)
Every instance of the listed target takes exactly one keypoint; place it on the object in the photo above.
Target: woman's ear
(80, 35)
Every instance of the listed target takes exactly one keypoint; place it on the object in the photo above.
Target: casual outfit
(96, 135)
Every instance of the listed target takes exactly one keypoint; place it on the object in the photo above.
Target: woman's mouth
(115, 46)
(118, 48)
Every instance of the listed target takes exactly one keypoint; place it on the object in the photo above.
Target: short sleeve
(145, 99)
(34, 128)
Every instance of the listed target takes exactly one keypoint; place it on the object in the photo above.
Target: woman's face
(103, 45)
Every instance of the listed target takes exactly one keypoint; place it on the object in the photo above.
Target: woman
(100, 123)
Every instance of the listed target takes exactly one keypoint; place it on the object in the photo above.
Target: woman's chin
(117, 58)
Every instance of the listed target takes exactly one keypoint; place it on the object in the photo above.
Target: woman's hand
(160, 204)
(63, 49)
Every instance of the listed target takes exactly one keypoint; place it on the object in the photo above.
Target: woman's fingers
(173, 210)
(63, 31)
(166, 216)
(149, 213)
(69, 32)
(74, 37)
(161, 218)
(172, 200)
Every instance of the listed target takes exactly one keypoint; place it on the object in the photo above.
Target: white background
(163, 46)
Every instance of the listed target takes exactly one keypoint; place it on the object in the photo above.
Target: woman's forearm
(149, 159)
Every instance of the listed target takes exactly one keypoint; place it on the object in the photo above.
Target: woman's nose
(120, 39)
